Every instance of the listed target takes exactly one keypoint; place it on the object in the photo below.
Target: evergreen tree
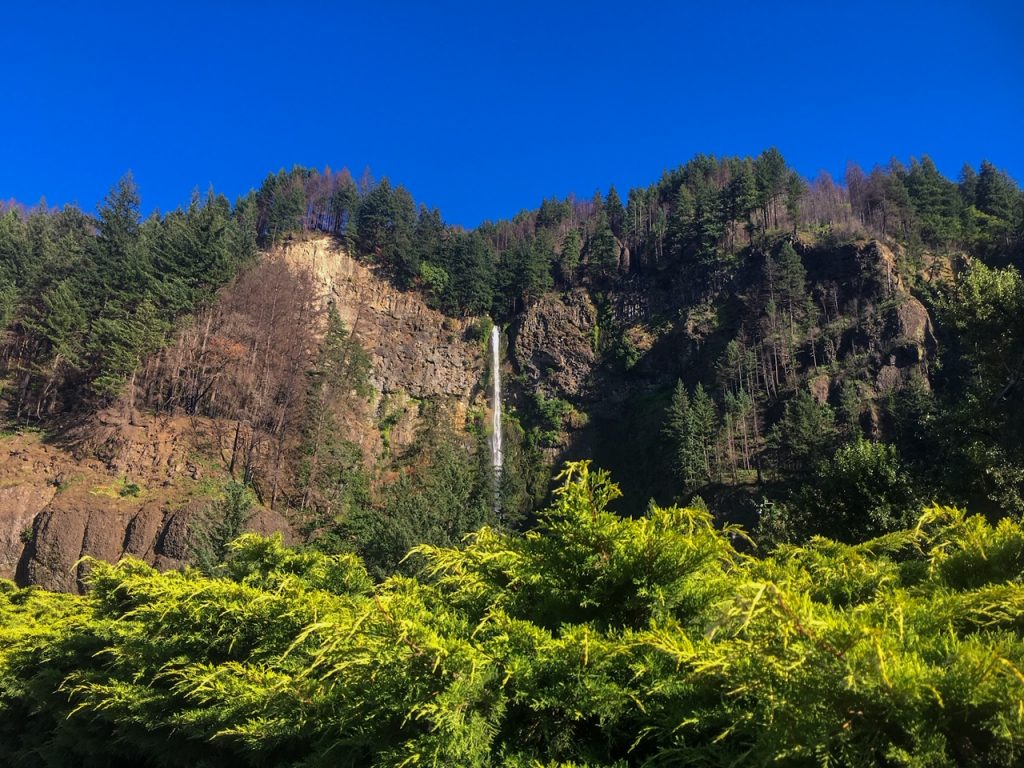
(936, 202)
(995, 192)
(212, 530)
(616, 213)
(968, 185)
(704, 420)
(796, 188)
(603, 250)
(62, 322)
(122, 264)
(792, 278)
(681, 432)
(805, 435)
(742, 192)
(770, 179)
(569, 259)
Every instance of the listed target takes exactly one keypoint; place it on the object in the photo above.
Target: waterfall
(497, 456)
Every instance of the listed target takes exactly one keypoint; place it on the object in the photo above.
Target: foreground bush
(591, 641)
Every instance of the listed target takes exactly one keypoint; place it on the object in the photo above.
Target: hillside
(802, 358)
(131, 479)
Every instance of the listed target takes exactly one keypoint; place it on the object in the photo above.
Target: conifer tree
(995, 192)
(615, 212)
(968, 185)
(681, 431)
(603, 249)
(569, 259)
(704, 419)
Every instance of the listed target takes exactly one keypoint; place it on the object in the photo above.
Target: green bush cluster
(591, 641)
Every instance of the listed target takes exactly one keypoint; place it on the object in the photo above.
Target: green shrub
(592, 640)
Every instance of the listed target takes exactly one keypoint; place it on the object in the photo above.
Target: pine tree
(569, 259)
(603, 248)
(704, 419)
(616, 213)
(995, 192)
(680, 430)
(805, 435)
(328, 476)
(968, 185)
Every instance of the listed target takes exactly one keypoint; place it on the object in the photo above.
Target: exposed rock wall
(56, 510)
(414, 349)
(553, 345)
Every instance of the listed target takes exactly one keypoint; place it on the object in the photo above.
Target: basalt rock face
(56, 509)
(416, 352)
(414, 349)
(19, 507)
(889, 327)
(70, 529)
(553, 344)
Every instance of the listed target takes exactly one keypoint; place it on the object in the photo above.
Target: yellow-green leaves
(592, 641)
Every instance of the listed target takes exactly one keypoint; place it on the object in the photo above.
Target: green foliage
(212, 531)
(87, 299)
(569, 260)
(623, 352)
(866, 490)
(441, 493)
(129, 489)
(435, 281)
(679, 431)
(861, 492)
(550, 416)
(330, 478)
(690, 428)
(602, 249)
(981, 425)
(592, 641)
(805, 434)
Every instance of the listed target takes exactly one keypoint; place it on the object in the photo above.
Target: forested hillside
(802, 357)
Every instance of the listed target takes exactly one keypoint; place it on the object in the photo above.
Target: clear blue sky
(484, 108)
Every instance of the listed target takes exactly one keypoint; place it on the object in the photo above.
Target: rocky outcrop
(906, 340)
(553, 343)
(56, 510)
(19, 507)
(414, 349)
(886, 325)
(907, 345)
(125, 482)
(71, 528)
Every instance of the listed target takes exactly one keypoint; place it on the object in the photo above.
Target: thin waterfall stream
(497, 455)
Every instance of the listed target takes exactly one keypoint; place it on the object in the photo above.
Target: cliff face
(135, 493)
(415, 350)
(862, 326)
(554, 344)
(128, 482)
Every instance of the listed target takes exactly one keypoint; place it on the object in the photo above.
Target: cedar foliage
(591, 641)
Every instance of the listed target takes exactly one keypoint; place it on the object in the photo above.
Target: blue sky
(482, 109)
